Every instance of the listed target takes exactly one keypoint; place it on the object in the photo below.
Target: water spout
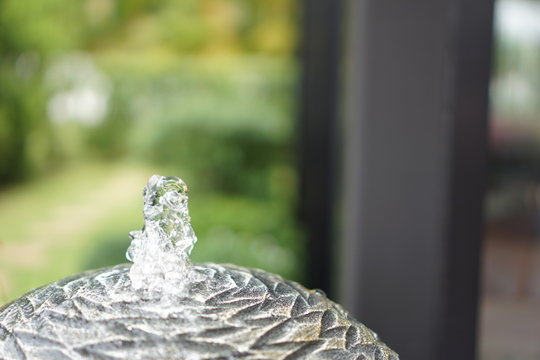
(160, 251)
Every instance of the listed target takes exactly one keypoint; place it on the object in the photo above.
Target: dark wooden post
(317, 131)
(406, 163)
(414, 161)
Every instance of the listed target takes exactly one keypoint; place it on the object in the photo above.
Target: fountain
(164, 307)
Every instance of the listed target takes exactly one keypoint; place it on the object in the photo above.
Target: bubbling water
(160, 251)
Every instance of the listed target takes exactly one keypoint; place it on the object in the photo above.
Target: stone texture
(230, 312)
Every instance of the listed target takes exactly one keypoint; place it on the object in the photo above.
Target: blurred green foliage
(202, 89)
(150, 50)
(28, 32)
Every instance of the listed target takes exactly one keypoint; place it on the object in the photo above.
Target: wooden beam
(413, 170)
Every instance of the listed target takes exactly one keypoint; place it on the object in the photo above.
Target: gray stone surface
(229, 312)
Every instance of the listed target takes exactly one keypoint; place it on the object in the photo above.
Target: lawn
(48, 226)
(79, 218)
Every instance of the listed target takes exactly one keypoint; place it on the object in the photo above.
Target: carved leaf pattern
(235, 313)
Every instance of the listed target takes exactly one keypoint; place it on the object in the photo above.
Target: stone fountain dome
(164, 307)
